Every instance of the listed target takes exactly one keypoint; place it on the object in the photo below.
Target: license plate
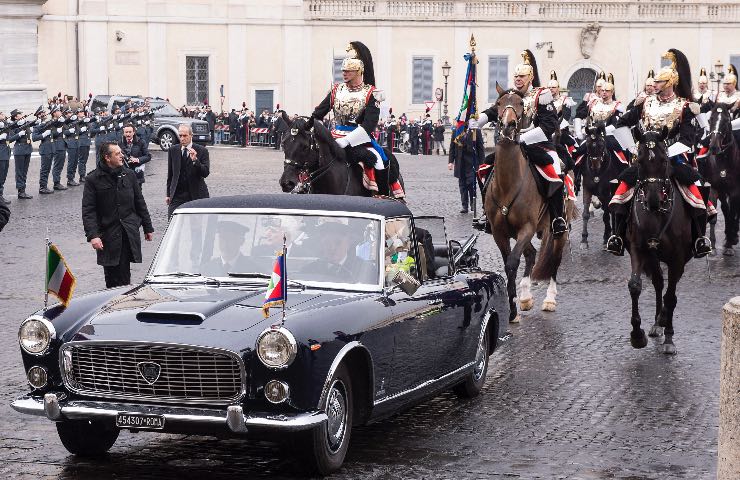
(140, 420)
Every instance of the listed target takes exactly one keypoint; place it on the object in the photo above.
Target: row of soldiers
(64, 135)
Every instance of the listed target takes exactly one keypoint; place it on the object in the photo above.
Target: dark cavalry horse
(516, 210)
(658, 230)
(721, 169)
(598, 170)
(314, 163)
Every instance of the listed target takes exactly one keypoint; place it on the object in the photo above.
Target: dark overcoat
(196, 171)
(113, 206)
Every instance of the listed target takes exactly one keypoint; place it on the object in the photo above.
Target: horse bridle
(716, 132)
(665, 204)
(500, 125)
(590, 158)
(305, 176)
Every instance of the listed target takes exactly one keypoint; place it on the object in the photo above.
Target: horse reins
(305, 186)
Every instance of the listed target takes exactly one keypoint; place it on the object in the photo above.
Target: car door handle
(435, 301)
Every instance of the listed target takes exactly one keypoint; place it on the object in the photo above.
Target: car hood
(156, 313)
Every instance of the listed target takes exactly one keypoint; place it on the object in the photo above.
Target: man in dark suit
(210, 117)
(135, 152)
(230, 239)
(337, 260)
(187, 167)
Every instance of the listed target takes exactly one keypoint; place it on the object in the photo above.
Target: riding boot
(556, 206)
(702, 245)
(464, 200)
(381, 177)
(615, 244)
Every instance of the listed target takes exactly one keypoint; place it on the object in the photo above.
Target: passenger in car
(230, 239)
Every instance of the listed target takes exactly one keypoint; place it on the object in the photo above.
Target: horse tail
(549, 258)
(393, 167)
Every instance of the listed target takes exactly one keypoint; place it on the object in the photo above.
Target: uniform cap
(39, 110)
(15, 112)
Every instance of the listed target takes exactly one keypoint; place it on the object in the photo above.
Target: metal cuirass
(724, 98)
(657, 114)
(601, 112)
(348, 105)
(530, 107)
(559, 102)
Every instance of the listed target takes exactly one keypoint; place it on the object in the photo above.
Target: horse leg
(512, 265)
(585, 216)
(549, 303)
(675, 272)
(637, 335)
(526, 301)
(607, 225)
(505, 248)
(657, 276)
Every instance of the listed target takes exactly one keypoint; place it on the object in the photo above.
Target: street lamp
(550, 51)
(446, 73)
(718, 74)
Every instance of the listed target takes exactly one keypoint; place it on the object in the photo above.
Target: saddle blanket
(690, 194)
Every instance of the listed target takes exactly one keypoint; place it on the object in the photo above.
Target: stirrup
(559, 226)
(615, 245)
(702, 247)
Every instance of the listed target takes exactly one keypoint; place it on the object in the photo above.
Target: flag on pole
(59, 279)
(277, 288)
(469, 105)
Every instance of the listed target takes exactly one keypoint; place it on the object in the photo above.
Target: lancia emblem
(149, 371)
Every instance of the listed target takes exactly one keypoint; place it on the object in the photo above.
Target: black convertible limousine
(382, 313)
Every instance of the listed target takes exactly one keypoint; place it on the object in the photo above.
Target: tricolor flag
(469, 105)
(59, 279)
(277, 289)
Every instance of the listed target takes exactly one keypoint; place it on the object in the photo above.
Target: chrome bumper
(234, 417)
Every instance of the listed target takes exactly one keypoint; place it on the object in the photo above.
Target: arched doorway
(580, 83)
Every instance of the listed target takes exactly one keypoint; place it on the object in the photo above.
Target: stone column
(728, 467)
(19, 75)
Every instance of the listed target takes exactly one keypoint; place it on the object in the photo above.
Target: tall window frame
(422, 79)
(498, 71)
(196, 79)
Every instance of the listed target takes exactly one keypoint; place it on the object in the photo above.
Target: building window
(337, 69)
(498, 71)
(734, 60)
(263, 101)
(421, 89)
(196, 80)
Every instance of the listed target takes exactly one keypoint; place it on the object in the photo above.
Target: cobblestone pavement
(566, 395)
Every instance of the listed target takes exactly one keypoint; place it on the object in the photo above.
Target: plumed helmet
(359, 58)
(678, 74)
(528, 67)
(650, 80)
(731, 76)
(609, 83)
(600, 80)
(553, 83)
(703, 75)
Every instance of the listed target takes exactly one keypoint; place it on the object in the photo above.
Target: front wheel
(326, 445)
(86, 438)
(166, 140)
(473, 383)
(403, 147)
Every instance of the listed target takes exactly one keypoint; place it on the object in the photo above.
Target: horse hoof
(656, 331)
(728, 252)
(584, 245)
(516, 319)
(668, 349)
(549, 305)
(526, 304)
(639, 342)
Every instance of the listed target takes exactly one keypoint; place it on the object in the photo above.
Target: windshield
(230, 247)
(167, 109)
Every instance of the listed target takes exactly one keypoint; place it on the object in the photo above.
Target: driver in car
(230, 237)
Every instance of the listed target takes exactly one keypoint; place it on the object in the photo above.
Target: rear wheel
(326, 445)
(473, 383)
(166, 140)
(86, 438)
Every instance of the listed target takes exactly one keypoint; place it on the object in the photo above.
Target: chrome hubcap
(336, 411)
(480, 359)
(166, 142)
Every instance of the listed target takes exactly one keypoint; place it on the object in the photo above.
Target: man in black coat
(233, 127)
(466, 158)
(135, 152)
(113, 210)
(210, 117)
(187, 167)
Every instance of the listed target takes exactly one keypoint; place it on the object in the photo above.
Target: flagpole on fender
(285, 275)
(46, 278)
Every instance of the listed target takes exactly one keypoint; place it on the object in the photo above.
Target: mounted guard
(538, 124)
(355, 103)
(668, 108)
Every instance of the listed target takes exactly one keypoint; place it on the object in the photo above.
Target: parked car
(166, 119)
(382, 313)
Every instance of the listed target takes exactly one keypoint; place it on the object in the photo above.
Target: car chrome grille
(185, 374)
(200, 128)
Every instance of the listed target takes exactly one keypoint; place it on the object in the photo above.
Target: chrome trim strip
(69, 345)
(281, 211)
(423, 385)
(234, 417)
(333, 368)
(51, 407)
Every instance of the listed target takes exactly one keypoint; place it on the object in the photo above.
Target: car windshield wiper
(262, 275)
(189, 275)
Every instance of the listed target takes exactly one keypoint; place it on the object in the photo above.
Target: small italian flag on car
(59, 279)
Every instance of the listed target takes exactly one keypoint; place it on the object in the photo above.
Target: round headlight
(35, 335)
(276, 347)
(276, 391)
(37, 377)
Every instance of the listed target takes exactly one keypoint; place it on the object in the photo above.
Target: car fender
(164, 127)
(349, 348)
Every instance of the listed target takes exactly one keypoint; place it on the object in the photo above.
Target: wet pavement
(566, 395)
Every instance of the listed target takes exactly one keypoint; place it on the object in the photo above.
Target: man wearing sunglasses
(187, 167)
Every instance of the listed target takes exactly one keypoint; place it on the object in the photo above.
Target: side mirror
(406, 282)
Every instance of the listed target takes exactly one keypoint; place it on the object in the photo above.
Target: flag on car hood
(59, 279)
(277, 288)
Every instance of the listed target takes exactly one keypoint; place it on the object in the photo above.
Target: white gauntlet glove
(46, 134)
(342, 142)
(3, 136)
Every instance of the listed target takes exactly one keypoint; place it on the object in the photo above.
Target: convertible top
(376, 206)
